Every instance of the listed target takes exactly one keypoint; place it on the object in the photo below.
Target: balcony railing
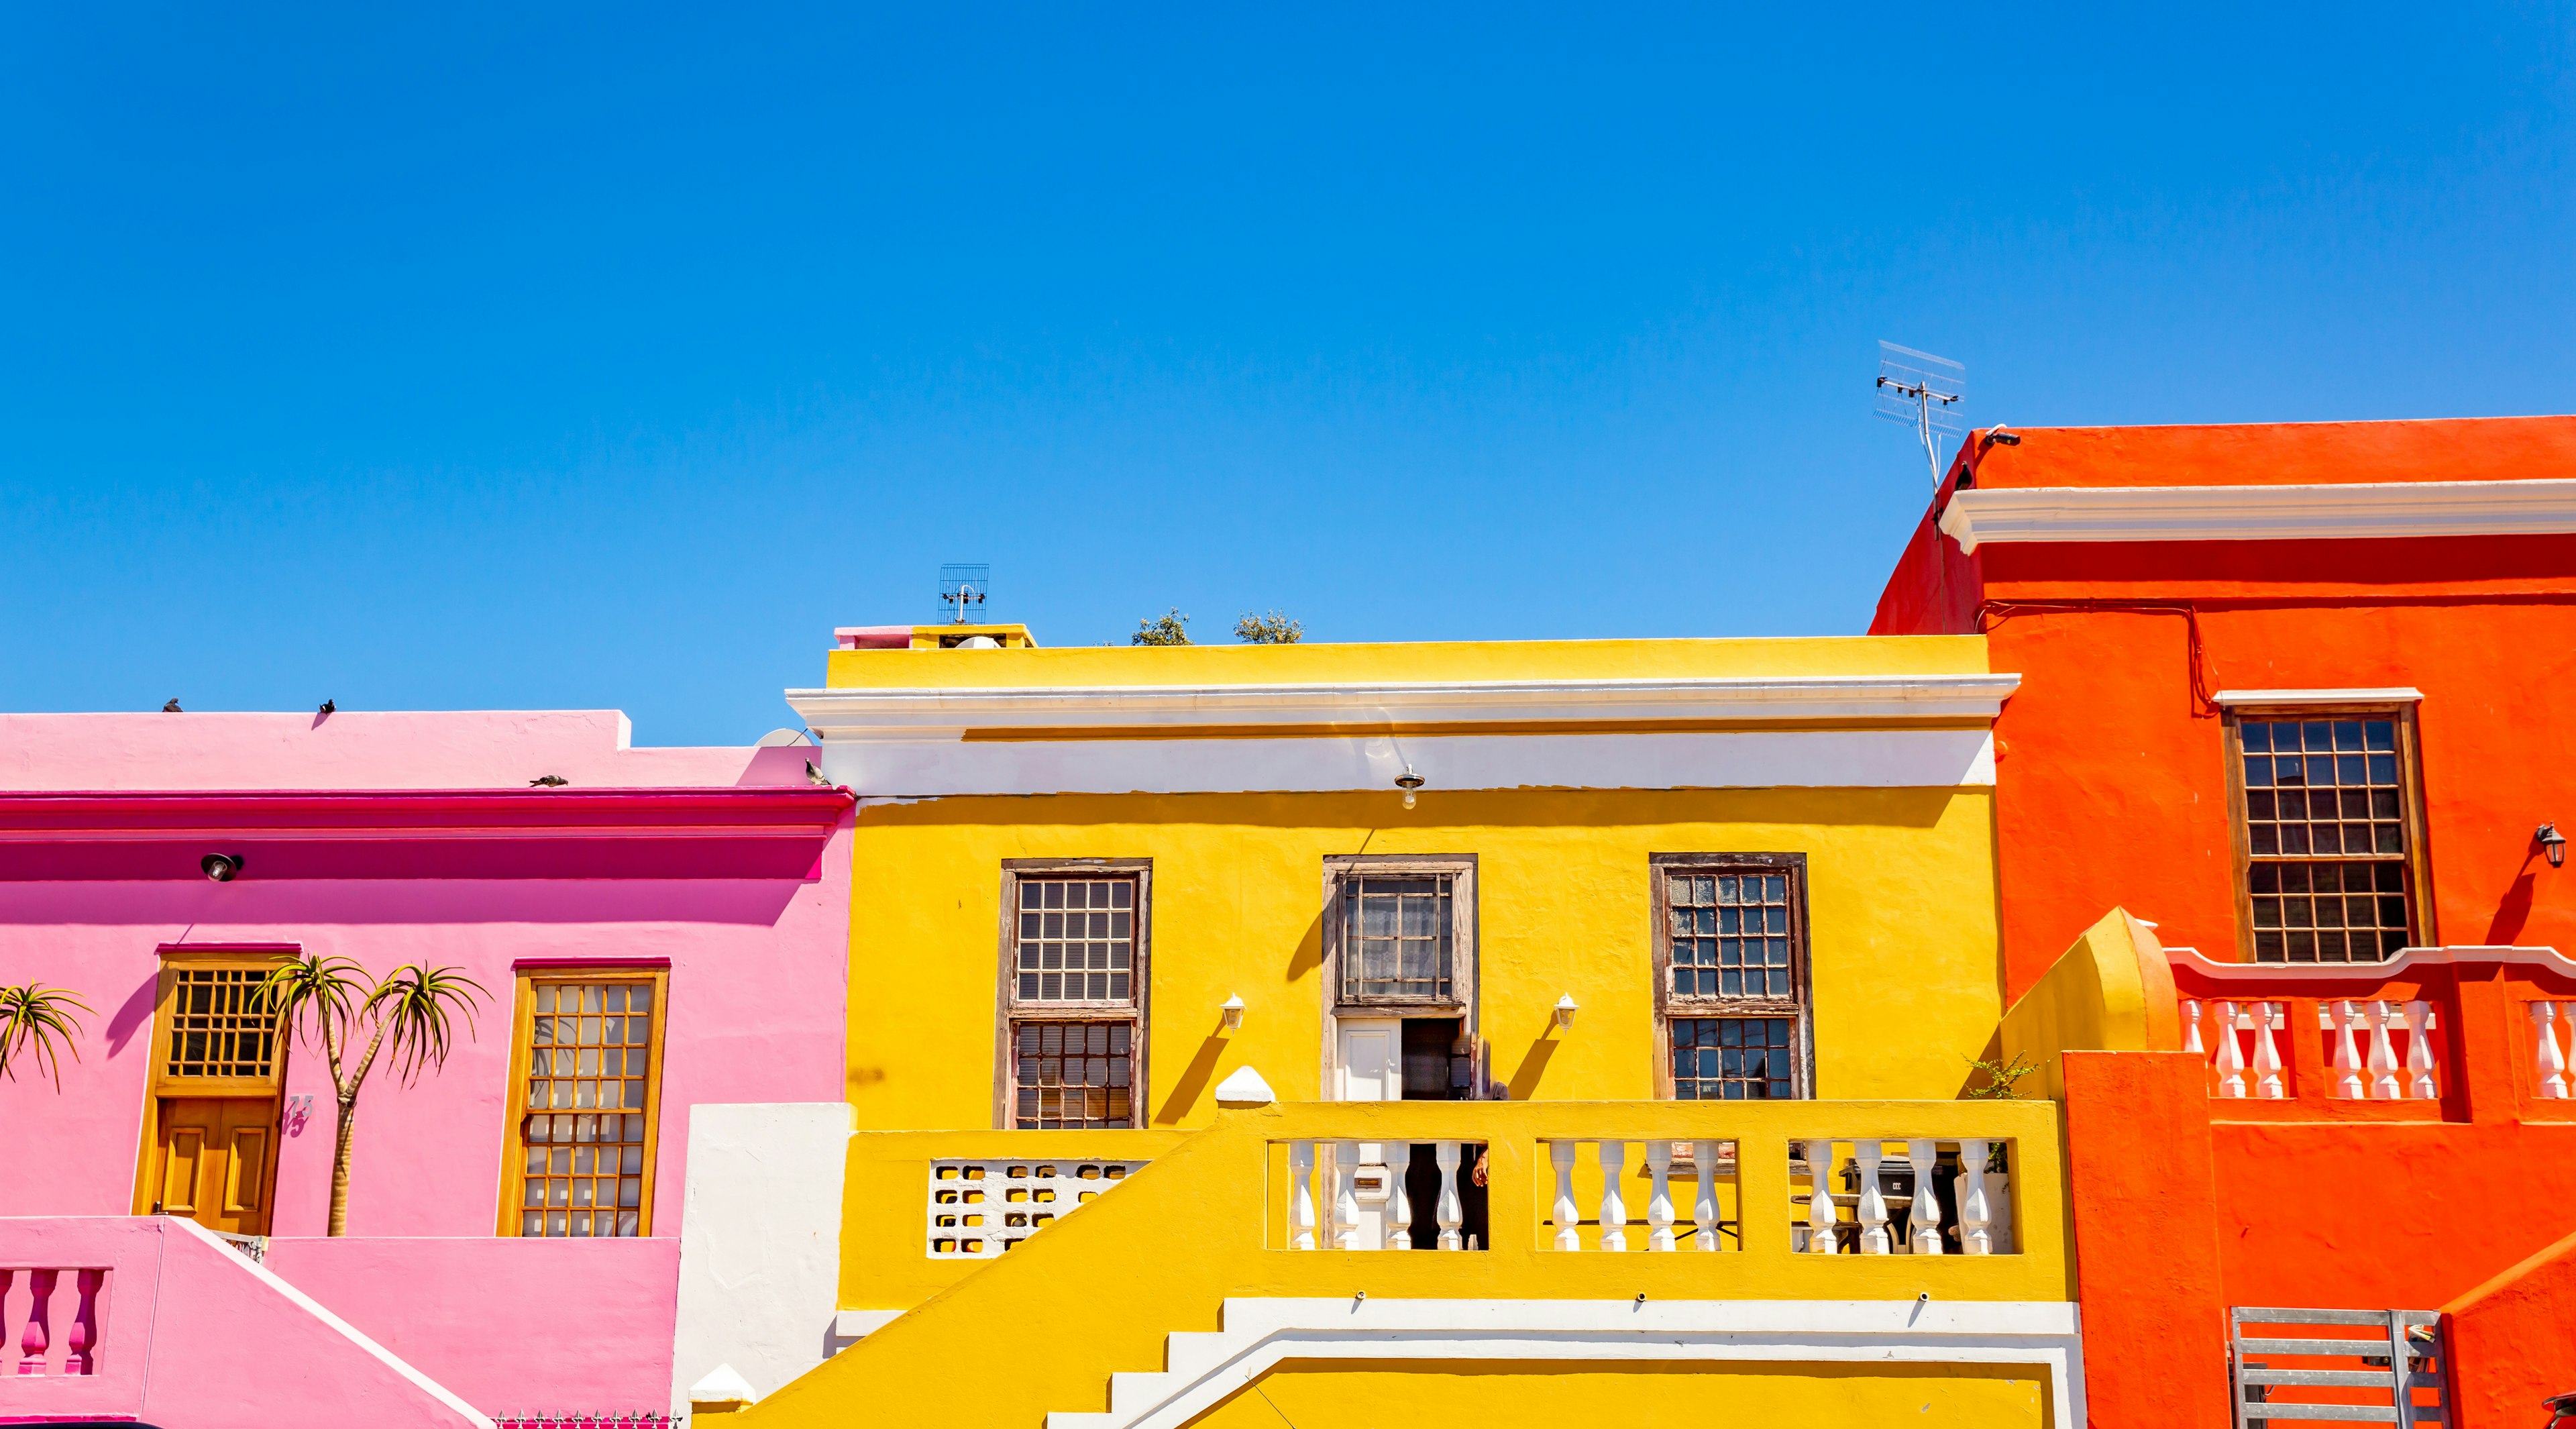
(2458, 1034)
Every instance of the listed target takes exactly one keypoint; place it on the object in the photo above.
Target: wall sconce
(1566, 1007)
(2552, 843)
(1408, 781)
(1231, 1012)
(221, 867)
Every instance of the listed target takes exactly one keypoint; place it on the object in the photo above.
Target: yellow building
(1423, 1031)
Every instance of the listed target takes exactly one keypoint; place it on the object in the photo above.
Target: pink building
(658, 929)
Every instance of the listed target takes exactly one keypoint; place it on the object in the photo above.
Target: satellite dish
(979, 642)
(782, 739)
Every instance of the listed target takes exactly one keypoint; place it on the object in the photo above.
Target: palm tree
(41, 1022)
(412, 1010)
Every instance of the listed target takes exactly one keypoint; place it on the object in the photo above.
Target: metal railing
(2400, 1361)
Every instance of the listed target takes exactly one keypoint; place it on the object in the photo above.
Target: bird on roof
(330, 706)
(548, 781)
(173, 706)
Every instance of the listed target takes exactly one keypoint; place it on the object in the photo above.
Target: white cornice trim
(2261, 513)
(2392, 695)
(1206, 1369)
(1895, 699)
(2546, 959)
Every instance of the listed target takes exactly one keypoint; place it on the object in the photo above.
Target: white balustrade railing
(1902, 1186)
(2363, 1059)
(978, 1209)
(1365, 1197)
(1707, 1165)
(2549, 1055)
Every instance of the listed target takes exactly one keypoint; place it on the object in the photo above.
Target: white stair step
(1073, 1419)
(1131, 1390)
(1194, 1352)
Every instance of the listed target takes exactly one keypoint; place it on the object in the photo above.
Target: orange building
(2289, 692)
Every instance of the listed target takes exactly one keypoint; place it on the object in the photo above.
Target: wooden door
(216, 1159)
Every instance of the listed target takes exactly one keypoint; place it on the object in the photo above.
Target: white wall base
(1207, 1369)
(760, 1243)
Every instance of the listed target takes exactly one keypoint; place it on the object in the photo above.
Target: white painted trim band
(1259, 1334)
(2393, 695)
(2545, 959)
(860, 713)
(2358, 510)
(1836, 759)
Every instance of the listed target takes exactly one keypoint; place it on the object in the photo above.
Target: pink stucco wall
(188, 1333)
(755, 1015)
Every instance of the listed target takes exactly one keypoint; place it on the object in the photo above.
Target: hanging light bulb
(1408, 781)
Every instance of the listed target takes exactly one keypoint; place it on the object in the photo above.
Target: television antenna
(1924, 392)
(962, 589)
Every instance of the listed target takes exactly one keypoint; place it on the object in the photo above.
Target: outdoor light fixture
(2552, 843)
(1408, 781)
(221, 867)
(1566, 1007)
(1998, 437)
(1232, 1011)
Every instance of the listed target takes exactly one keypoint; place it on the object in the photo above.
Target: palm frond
(419, 1005)
(42, 1023)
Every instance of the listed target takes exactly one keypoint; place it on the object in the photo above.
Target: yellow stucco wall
(1901, 908)
(1639, 1396)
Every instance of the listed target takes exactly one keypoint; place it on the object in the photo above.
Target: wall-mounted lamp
(221, 867)
(1408, 781)
(1566, 1007)
(1231, 1011)
(2552, 843)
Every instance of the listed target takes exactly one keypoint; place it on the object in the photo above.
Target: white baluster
(2553, 1063)
(2383, 1055)
(1820, 1198)
(2347, 1062)
(1976, 1233)
(2191, 1027)
(1925, 1158)
(2231, 1054)
(2267, 1052)
(1704, 1206)
(1346, 1195)
(1450, 1212)
(1659, 1201)
(1301, 1201)
(2420, 1084)
(1614, 1212)
(1569, 1234)
(1874, 1239)
(1399, 1201)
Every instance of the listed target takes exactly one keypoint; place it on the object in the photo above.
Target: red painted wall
(2514, 1342)
(2113, 785)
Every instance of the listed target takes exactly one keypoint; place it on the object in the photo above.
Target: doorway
(215, 1161)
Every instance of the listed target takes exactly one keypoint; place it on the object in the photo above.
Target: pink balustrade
(50, 1318)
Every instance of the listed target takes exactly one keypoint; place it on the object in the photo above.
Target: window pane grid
(1731, 1058)
(2325, 834)
(222, 1024)
(1077, 940)
(1072, 1075)
(582, 1138)
(1396, 938)
(1730, 935)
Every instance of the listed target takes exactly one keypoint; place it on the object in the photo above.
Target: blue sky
(552, 357)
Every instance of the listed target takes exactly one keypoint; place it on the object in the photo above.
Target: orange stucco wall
(2514, 1342)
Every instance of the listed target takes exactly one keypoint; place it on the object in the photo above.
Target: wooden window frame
(1799, 1009)
(1465, 923)
(2410, 784)
(1136, 1010)
(514, 1143)
(160, 1084)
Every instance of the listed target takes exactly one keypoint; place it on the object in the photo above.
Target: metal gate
(2391, 1374)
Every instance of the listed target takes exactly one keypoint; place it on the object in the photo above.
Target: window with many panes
(1399, 931)
(2328, 834)
(1731, 975)
(583, 1139)
(1074, 953)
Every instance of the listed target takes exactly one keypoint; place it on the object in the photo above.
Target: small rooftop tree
(1171, 628)
(1272, 629)
(411, 1012)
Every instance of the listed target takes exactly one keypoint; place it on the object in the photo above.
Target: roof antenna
(962, 587)
(1924, 392)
